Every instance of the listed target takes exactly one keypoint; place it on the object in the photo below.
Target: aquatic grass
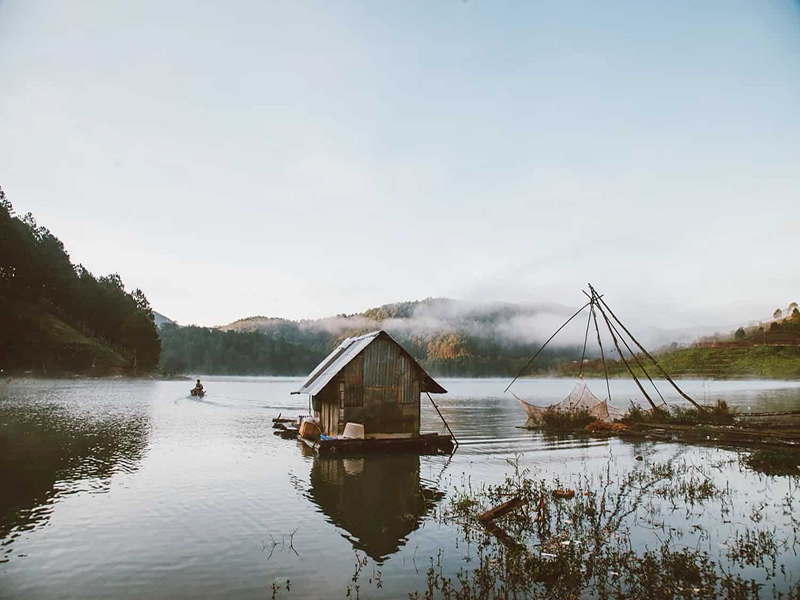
(566, 420)
(718, 414)
(591, 545)
(551, 548)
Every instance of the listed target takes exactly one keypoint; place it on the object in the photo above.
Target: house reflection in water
(377, 499)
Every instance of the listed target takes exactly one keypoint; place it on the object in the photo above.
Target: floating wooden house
(370, 380)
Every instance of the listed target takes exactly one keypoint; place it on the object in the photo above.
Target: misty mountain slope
(432, 316)
(449, 337)
(160, 319)
(501, 323)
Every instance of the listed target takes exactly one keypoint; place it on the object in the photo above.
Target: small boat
(196, 392)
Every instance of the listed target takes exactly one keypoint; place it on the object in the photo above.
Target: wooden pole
(641, 366)
(648, 355)
(585, 341)
(622, 356)
(633, 355)
(602, 354)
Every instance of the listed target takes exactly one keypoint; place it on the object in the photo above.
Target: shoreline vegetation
(772, 438)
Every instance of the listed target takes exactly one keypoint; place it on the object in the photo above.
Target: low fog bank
(500, 323)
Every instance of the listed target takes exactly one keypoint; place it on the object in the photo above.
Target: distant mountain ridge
(499, 320)
(440, 314)
(448, 337)
(160, 319)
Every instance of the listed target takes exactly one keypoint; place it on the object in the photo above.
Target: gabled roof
(347, 351)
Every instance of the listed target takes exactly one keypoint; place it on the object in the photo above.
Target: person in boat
(198, 388)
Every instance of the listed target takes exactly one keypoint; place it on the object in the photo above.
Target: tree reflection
(47, 452)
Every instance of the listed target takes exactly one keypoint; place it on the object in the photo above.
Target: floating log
(487, 520)
(502, 509)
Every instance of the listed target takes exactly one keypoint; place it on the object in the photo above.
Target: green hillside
(35, 339)
(706, 362)
(56, 317)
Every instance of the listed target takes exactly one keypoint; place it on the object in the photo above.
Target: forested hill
(456, 338)
(57, 317)
(447, 337)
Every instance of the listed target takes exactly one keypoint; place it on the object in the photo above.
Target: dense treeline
(210, 351)
(59, 315)
(781, 331)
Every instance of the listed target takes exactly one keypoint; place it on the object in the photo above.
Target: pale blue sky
(301, 159)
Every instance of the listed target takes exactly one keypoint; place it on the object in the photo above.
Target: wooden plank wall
(380, 389)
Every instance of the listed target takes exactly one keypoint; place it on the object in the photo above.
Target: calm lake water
(134, 489)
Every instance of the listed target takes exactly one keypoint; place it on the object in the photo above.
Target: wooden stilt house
(370, 380)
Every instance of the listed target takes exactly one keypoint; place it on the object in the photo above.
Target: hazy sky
(301, 159)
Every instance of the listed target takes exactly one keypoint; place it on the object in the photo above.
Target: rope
(543, 346)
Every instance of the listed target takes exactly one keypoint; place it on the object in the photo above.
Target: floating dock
(425, 443)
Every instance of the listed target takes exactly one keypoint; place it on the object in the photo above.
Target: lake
(123, 488)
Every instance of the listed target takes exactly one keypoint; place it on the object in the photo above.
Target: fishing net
(580, 398)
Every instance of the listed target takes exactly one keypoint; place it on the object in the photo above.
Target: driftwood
(487, 520)
(502, 509)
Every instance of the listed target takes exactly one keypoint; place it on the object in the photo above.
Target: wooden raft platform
(426, 443)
